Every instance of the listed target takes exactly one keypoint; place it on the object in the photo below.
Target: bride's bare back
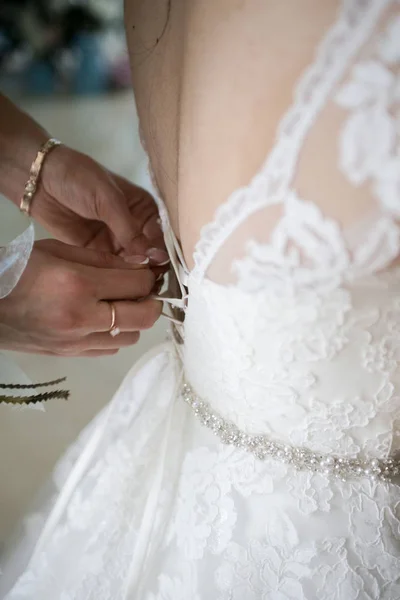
(212, 83)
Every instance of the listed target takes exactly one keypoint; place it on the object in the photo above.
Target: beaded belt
(383, 469)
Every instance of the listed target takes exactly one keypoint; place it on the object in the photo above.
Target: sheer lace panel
(13, 260)
(324, 206)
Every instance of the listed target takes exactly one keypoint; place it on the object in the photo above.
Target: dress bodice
(292, 319)
(314, 370)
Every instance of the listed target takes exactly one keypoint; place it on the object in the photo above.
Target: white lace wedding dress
(249, 461)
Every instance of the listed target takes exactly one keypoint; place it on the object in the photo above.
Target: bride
(255, 455)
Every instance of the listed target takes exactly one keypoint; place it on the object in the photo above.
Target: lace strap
(354, 24)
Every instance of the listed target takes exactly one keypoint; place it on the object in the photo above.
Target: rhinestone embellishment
(263, 447)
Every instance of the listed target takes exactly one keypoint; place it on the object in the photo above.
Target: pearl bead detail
(384, 469)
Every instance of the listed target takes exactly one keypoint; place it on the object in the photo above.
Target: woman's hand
(59, 305)
(77, 200)
(82, 203)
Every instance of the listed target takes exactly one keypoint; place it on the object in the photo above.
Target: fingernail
(137, 260)
(158, 256)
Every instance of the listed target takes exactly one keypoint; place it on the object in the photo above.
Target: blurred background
(65, 63)
(62, 46)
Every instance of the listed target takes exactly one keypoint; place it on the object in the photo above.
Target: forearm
(20, 139)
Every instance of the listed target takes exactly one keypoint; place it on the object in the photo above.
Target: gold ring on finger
(114, 330)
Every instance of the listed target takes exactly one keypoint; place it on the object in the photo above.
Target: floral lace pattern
(300, 552)
(370, 140)
(355, 25)
(309, 249)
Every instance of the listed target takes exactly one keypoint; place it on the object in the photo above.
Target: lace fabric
(356, 69)
(292, 329)
(13, 260)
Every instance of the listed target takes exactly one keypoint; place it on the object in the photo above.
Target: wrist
(20, 140)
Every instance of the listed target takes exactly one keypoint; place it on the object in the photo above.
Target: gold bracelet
(34, 173)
